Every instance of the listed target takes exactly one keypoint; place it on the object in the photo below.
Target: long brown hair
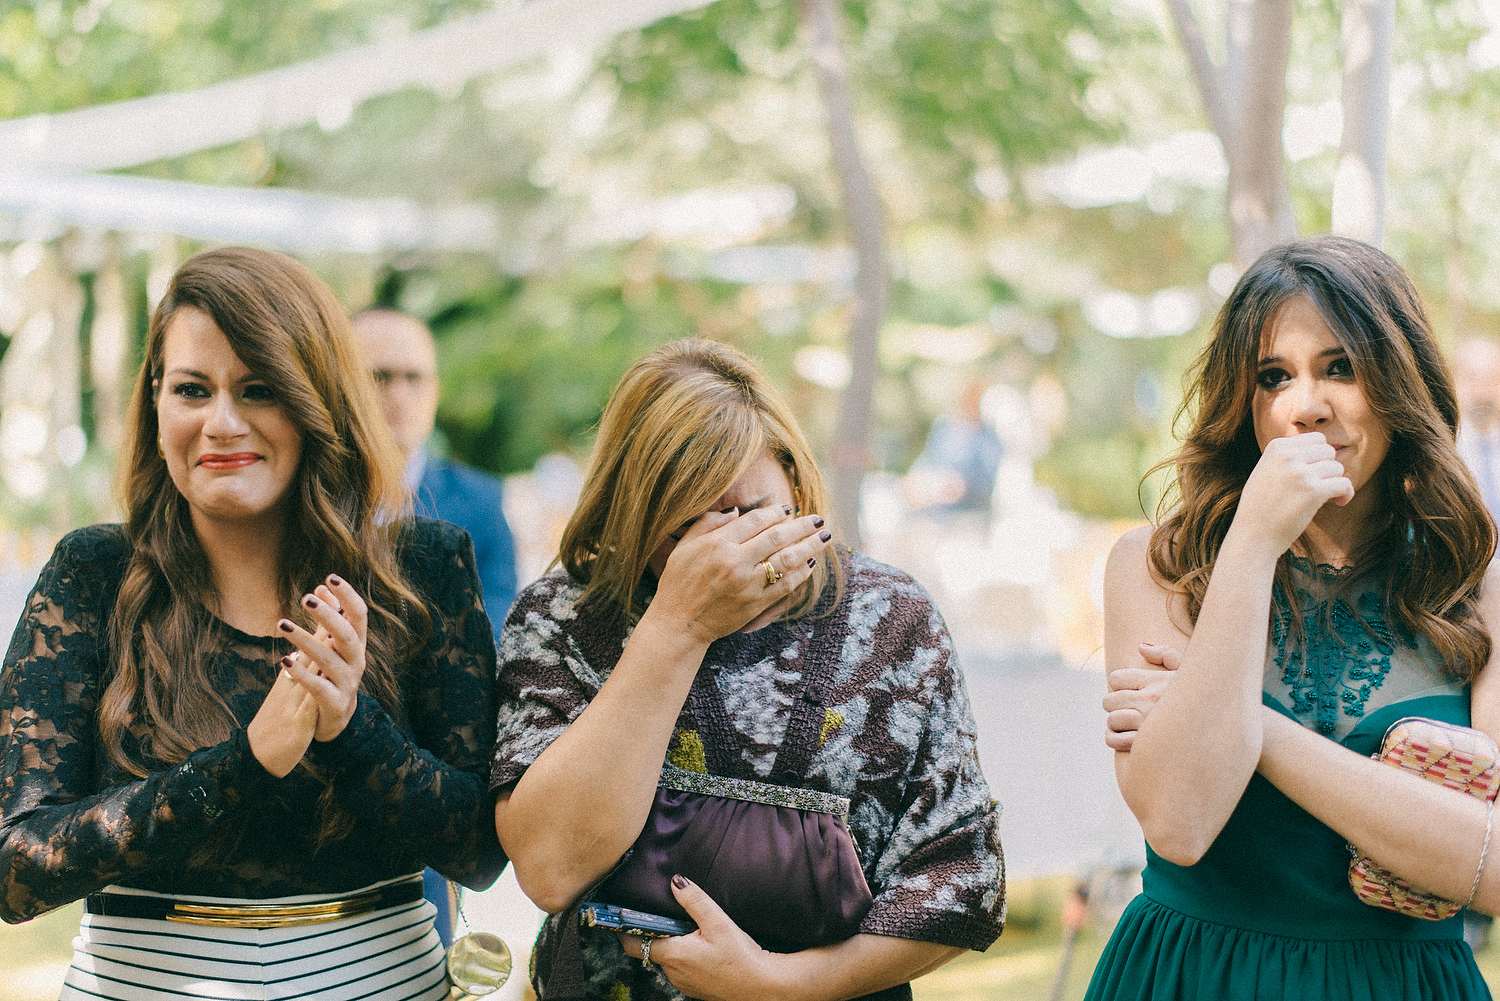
(288, 329)
(1438, 539)
(683, 424)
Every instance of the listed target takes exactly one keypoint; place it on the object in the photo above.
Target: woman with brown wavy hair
(1323, 573)
(241, 723)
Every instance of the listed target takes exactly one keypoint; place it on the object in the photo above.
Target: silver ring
(646, 953)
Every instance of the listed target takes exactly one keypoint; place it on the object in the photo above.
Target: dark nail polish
(333, 580)
(680, 881)
(727, 510)
(286, 661)
(812, 561)
(310, 601)
(824, 535)
(786, 509)
(817, 521)
(285, 625)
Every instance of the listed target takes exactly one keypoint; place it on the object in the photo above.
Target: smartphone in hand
(631, 922)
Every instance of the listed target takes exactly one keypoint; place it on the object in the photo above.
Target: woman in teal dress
(1321, 574)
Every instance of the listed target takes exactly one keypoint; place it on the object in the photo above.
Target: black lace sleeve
(426, 783)
(61, 836)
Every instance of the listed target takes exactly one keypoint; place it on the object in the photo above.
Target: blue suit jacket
(471, 500)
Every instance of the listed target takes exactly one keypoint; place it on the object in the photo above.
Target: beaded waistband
(749, 791)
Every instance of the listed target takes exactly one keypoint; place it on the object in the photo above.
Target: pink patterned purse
(1460, 758)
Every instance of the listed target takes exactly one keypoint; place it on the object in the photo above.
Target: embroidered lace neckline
(1320, 570)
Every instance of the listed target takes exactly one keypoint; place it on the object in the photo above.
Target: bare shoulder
(1129, 564)
(1138, 607)
(1132, 546)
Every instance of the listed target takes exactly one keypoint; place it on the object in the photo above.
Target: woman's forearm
(137, 828)
(1428, 835)
(583, 802)
(1198, 748)
(854, 967)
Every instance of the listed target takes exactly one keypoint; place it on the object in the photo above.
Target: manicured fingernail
(286, 661)
(285, 625)
(812, 561)
(728, 510)
(333, 580)
(817, 521)
(680, 881)
(824, 535)
(310, 601)
(786, 509)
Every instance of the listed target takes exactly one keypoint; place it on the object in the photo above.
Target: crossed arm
(1432, 836)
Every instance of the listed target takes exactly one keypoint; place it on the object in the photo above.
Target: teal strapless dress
(1267, 914)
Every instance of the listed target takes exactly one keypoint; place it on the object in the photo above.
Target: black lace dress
(413, 791)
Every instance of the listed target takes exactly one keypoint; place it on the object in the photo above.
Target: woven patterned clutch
(1457, 756)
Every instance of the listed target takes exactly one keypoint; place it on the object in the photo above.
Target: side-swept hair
(683, 424)
(288, 329)
(1437, 540)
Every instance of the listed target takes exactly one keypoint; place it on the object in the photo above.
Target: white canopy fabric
(288, 220)
(130, 133)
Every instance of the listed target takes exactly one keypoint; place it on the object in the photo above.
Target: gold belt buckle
(272, 915)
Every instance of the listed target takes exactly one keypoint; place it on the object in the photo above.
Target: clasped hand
(718, 962)
(1134, 691)
(317, 688)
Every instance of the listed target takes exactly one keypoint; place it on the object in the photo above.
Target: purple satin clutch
(780, 861)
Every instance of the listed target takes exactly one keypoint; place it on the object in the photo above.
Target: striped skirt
(391, 954)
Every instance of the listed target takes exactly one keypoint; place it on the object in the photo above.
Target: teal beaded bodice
(1349, 658)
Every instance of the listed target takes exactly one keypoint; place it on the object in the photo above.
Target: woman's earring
(160, 448)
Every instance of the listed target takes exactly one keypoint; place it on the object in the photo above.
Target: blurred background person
(1476, 379)
(956, 470)
(403, 359)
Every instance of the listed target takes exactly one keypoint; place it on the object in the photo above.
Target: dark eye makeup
(1270, 378)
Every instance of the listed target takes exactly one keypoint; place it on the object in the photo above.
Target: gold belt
(129, 905)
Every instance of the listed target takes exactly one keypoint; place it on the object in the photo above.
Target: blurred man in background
(403, 359)
(956, 471)
(1476, 379)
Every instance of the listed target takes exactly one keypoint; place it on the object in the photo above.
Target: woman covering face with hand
(1322, 574)
(701, 595)
(240, 723)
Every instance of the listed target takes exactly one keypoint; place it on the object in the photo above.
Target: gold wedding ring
(772, 574)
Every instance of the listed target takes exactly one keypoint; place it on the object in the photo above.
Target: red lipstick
(233, 460)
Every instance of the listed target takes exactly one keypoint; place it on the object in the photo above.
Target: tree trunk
(1359, 185)
(1259, 207)
(1244, 102)
(851, 445)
